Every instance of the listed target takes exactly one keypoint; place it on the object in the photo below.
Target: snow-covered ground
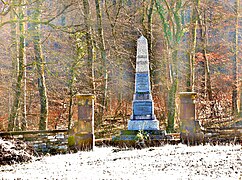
(173, 162)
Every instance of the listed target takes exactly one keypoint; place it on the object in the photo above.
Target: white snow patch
(174, 162)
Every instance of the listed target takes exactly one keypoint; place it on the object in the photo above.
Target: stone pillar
(187, 106)
(143, 117)
(190, 127)
(82, 133)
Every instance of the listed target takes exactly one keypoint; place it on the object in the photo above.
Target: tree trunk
(104, 88)
(40, 63)
(173, 34)
(90, 56)
(204, 36)
(154, 74)
(78, 57)
(193, 42)
(22, 55)
(70, 112)
(208, 88)
(172, 93)
(235, 94)
(14, 123)
(15, 70)
(41, 84)
(240, 98)
(149, 33)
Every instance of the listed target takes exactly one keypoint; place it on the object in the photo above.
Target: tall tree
(192, 45)
(147, 25)
(89, 43)
(104, 71)
(40, 64)
(22, 45)
(204, 38)
(147, 13)
(171, 22)
(14, 122)
(77, 63)
(235, 93)
(15, 63)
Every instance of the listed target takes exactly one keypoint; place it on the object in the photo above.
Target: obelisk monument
(143, 117)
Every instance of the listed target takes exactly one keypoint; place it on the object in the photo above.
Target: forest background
(50, 50)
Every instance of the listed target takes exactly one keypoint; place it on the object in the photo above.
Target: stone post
(190, 127)
(82, 133)
(187, 106)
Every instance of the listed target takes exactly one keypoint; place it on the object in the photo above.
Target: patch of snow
(175, 162)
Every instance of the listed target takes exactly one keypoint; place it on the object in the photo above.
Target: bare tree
(14, 122)
(235, 93)
(40, 64)
(192, 45)
(104, 71)
(170, 15)
(89, 43)
(204, 38)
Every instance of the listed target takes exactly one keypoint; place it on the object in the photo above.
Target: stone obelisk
(143, 117)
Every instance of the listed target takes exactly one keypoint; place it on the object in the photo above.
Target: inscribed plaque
(142, 108)
(85, 112)
(142, 83)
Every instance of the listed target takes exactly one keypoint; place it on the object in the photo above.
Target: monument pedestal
(150, 135)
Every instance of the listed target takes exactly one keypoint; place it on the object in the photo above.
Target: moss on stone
(71, 141)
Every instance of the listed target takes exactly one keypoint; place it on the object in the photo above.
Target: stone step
(135, 132)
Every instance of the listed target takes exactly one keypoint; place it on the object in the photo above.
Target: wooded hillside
(51, 50)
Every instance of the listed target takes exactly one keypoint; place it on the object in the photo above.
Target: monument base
(141, 139)
(143, 125)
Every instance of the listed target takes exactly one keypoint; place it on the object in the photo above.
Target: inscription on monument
(143, 96)
(142, 56)
(142, 83)
(142, 63)
(143, 108)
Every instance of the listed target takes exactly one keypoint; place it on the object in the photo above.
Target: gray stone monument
(143, 117)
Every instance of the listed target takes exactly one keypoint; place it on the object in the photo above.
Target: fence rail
(15, 133)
